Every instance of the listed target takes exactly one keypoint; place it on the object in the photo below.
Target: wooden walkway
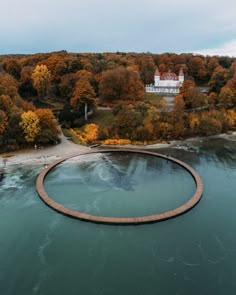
(122, 220)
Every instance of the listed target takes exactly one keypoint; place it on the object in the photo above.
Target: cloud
(105, 25)
(228, 48)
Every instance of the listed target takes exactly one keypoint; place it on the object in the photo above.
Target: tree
(12, 67)
(218, 79)
(41, 78)
(127, 120)
(8, 86)
(121, 84)
(26, 88)
(67, 85)
(84, 75)
(48, 126)
(226, 97)
(6, 103)
(194, 121)
(83, 96)
(3, 122)
(14, 131)
(197, 69)
(209, 125)
(147, 69)
(30, 125)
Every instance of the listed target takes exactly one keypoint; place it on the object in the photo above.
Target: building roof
(169, 76)
(181, 73)
(157, 73)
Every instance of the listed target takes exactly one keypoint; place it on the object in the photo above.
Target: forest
(100, 97)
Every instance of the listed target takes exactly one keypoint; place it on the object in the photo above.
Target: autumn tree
(121, 84)
(84, 75)
(150, 122)
(14, 131)
(12, 67)
(212, 100)
(126, 122)
(218, 79)
(147, 69)
(209, 125)
(48, 127)
(67, 85)
(226, 97)
(197, 69)
(83, 96)
(26, 88)
(8, 86)
(212, 64)
(30, 125)
(194, 122)
(3, 122)
(41, 78)
(6, 103)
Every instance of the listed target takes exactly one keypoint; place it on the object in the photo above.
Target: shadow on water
(2, 175)
(219, 150)
(118, 177)
(43, 252)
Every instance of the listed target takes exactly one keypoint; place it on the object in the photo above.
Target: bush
(116, 141)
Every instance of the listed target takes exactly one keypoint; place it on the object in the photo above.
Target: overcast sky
(157, 26)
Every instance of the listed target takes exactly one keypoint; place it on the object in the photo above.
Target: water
(120, 185)
(43, 252)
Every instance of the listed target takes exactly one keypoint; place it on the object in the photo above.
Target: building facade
(168, 83)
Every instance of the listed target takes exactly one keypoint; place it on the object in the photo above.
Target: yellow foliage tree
(91, 132)
(231, 115)
(41, 77)
(194, 121)
(30, 125)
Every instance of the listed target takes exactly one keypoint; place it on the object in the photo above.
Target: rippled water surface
(123, 184)
(43, 252)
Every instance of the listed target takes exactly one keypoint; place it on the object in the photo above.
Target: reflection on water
(43, 252)
(120, 185)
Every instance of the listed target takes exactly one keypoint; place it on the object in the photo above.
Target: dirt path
(44, 155)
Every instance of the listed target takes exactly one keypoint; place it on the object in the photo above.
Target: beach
(42, 155)
(46, 155)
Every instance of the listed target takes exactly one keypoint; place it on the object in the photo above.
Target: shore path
(44, 155)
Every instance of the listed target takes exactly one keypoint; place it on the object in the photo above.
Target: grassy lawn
(102, 118)
(71, 136)
(153, 98)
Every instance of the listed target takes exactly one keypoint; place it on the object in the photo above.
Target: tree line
(31, 86)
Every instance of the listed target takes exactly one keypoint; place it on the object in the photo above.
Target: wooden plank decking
(122, 220)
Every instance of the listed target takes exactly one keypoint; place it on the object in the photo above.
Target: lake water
(43, 252)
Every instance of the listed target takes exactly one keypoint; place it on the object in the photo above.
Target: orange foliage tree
(83, 96)
(48, 127)
(121, 84)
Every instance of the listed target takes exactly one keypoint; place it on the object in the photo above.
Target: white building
(167, 83)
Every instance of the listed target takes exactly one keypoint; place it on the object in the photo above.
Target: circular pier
(122, 220)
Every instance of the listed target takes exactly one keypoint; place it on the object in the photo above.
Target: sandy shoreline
(43, 156)
(66, 148)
